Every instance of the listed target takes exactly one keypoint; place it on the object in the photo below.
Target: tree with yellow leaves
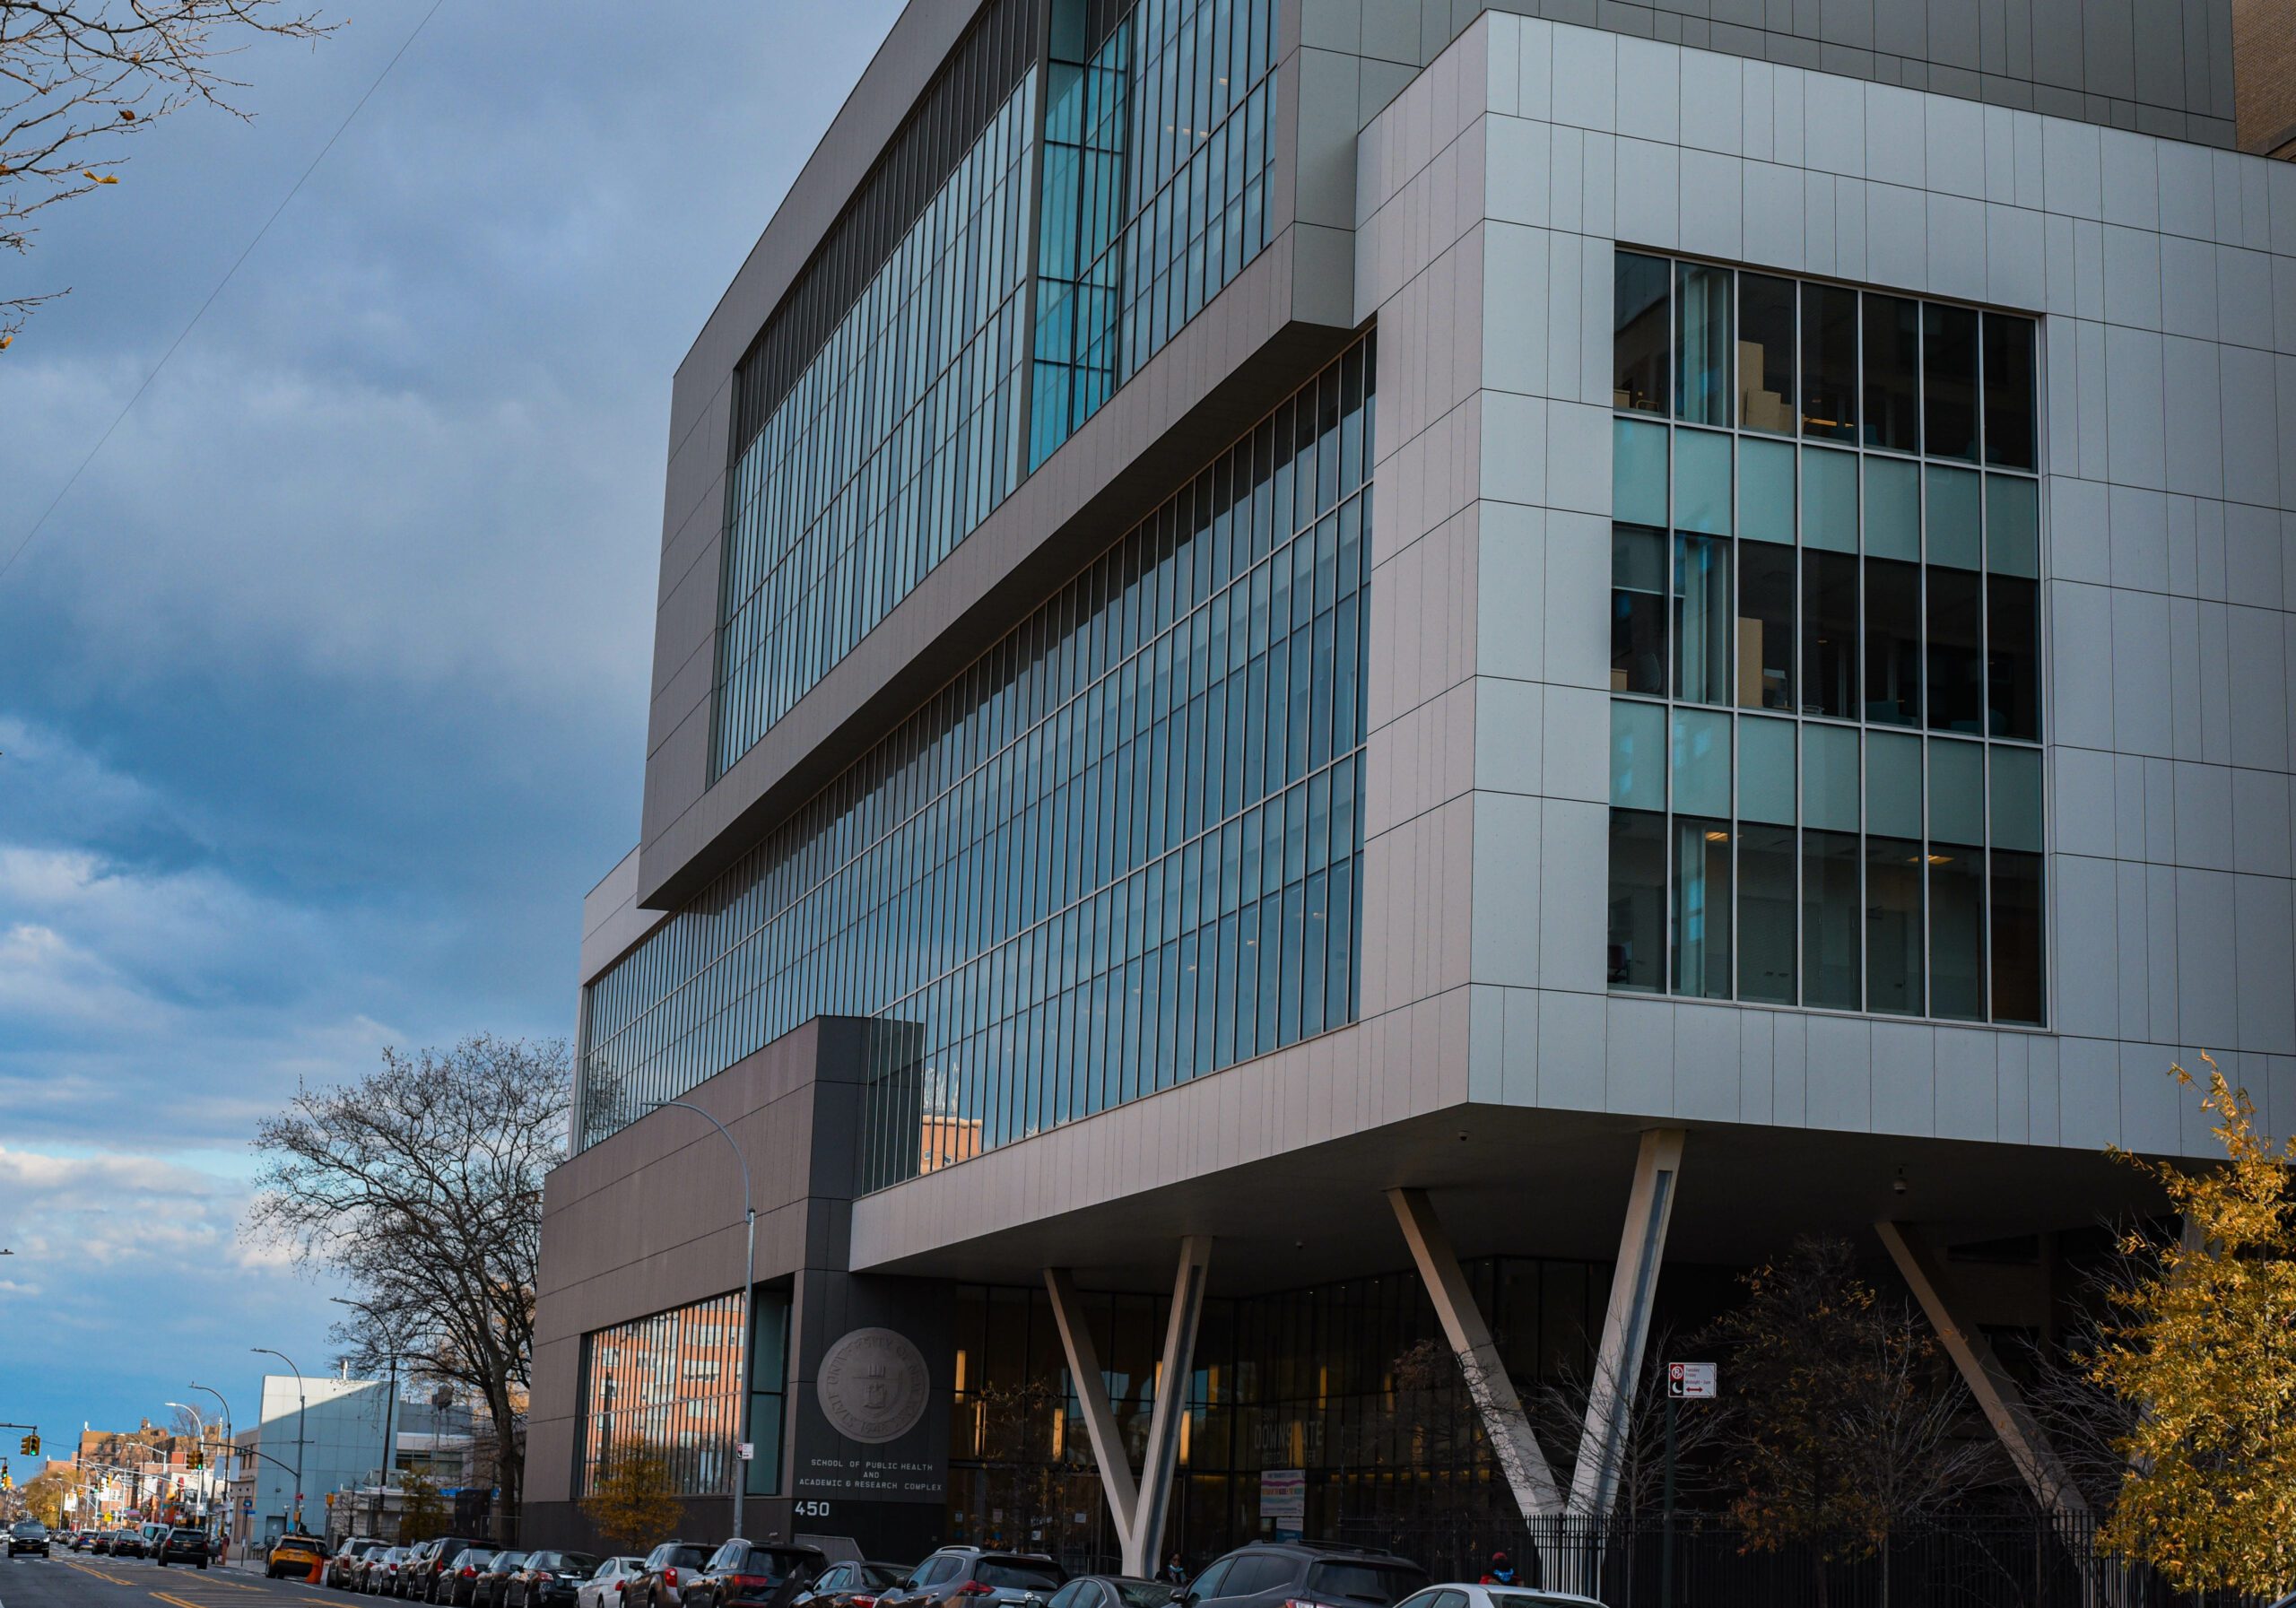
(2205, 1343)
(633, 1501)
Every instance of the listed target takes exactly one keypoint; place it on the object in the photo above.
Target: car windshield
(774, 1566)
(1380, 1583)
(1015, 1574)
(882, 1574)
(685, 1558)
(32, 1526)
(577, 1563)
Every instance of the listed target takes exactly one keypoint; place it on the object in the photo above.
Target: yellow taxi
(294, 1555)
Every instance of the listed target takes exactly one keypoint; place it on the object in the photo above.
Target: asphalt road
(69, 1581)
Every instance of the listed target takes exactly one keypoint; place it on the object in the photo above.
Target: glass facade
(1118, 851)
(1157, 157)
(1825, 647)
(903, 434)
(670, 1386)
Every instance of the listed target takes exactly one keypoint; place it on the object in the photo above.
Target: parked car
(494, 1579)
(457, 1583)
(550, 1580)
(1113, 1590)
(983, 1576)
(607, 1586)
(27, 1536)
(1269, 1574)
(1495, 1597)
(293, 1555)
(668, 1569)
(430, 1565)
(747, 1574)
(375, 1567)
(852, 1584)
(182, 1545)
(343, 1568)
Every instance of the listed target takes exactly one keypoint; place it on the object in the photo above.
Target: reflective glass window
(1701, 619)
(1702, 481)
(1829, 655)
(1893, 508)
(1765, 656)
(1949, 380)
(2009, 392)
(1641, 314)
(1637, 609)
(1955, 524)
(1828, 362)
(1832, 927)
(1893, 371)
(1637, 901)
(1956, 659)
(1701, 767)
(1766, 967)
(1766, 353)
(1701, 908)
(2016, 912)
(1893, 926)
(1766, 490)
(1892, 642)
(1702, 344)
(1639, 755)
(1639, 472)
(1830, 500)
(1766, 771)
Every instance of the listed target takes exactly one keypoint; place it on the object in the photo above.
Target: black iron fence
(1702, 1562)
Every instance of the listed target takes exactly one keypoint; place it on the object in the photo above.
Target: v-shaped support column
(1138, 1511)
(1536, 1495)
(1626, 1324)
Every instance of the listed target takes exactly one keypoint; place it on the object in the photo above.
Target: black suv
(1311, 1573)
(419, 1577)
(29, 1536)
(181, 1545)
(982, 1577)
(747, 1574)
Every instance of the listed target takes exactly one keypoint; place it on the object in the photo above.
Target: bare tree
(421, 1185)
(78, 76)
(1561, 1409)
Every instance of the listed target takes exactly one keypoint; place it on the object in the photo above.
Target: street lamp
(231, 1449)
(283, 1357)
(749, 1305)
(199, 1423)
(390, 1402)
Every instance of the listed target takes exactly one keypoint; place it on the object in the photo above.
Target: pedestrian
(1501, 1571)
(1176, 1570)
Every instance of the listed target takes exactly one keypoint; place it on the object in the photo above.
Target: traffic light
(198, 1460)
(31, 1445)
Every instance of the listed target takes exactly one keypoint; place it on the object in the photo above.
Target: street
(69, 1582)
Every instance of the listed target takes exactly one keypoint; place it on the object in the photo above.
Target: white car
(1459, 1594)
(604, 1589)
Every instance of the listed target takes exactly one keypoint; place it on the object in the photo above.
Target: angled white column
(1626, 1324)
(1536, 1495)
(1147, 1529)
(1996, 1392)
(1092, 1393)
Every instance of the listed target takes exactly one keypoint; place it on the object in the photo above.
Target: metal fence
(1701, 1562)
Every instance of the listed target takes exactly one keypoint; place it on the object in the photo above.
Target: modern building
(1338, 674)
(331, 1430)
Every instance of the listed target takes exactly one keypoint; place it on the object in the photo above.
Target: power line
(218, 291)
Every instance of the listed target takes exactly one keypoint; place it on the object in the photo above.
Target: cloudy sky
(322, 693)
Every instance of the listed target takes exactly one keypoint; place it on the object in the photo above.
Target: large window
(1117, 852)
(1158, 156)
(1825, 647)
(669, 1387)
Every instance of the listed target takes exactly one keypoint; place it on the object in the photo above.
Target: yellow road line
(178, 1602)
(99, 1574)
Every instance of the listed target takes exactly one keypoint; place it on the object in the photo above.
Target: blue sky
(322, 695)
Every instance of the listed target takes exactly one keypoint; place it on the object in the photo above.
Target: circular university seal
(872, 1385)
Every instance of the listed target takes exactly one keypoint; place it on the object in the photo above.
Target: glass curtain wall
(1350, 1383)
(901, 434)
(1825, 647)
(668, 1385)
(1158, 152)
(1118, 852)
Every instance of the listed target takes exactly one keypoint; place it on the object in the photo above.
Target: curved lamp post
(229, 1450)
(283, 1357)
(749, 1305)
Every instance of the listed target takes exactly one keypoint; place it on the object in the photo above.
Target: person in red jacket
(1500, 1573)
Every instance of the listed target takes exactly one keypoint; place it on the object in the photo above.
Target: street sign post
(1685, 1382)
